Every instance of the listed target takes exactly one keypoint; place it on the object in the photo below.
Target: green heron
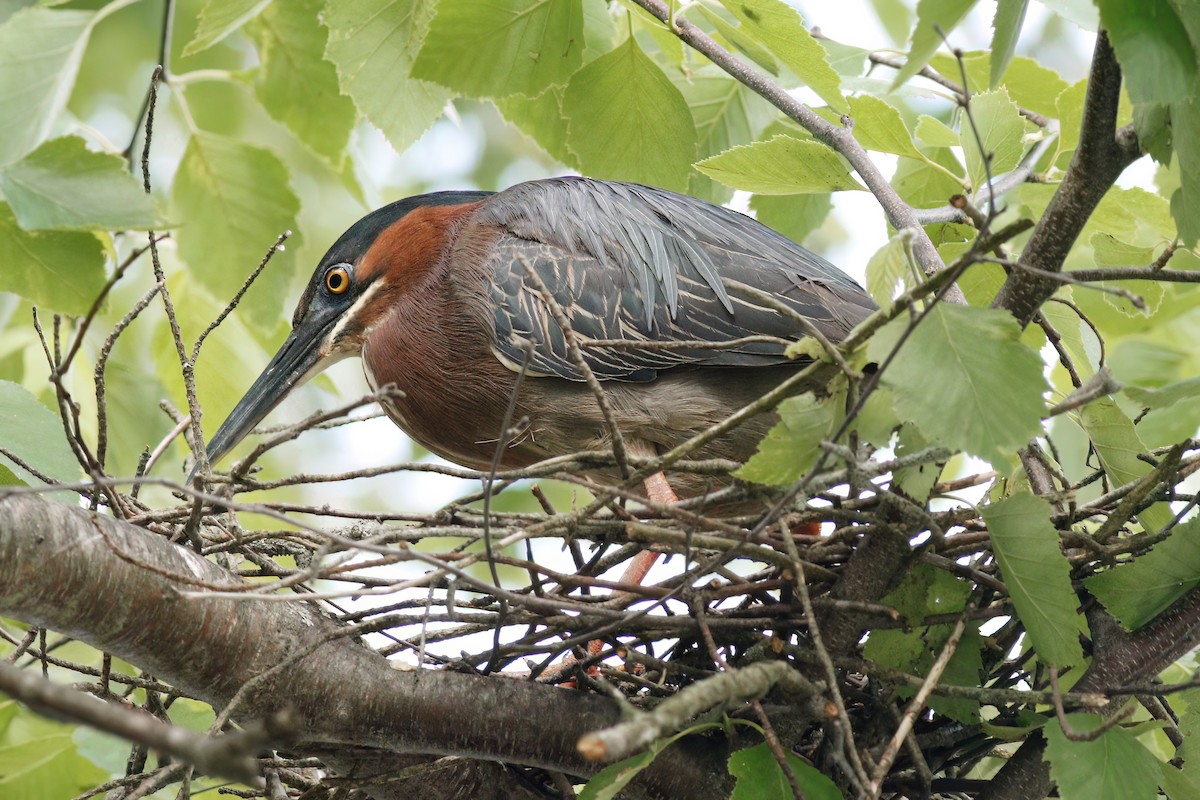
(444, 296)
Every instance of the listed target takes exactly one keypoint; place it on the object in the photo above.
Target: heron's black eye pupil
(337, 280)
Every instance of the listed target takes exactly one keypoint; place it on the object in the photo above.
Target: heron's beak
(303, 355)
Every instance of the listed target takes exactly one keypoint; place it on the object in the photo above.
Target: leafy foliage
(1026, 472)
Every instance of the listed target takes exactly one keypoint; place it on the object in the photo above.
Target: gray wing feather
(607, 251)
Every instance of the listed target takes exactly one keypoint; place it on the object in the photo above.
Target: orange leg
(659, 491)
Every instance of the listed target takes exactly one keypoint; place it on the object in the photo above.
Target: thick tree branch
(110, 584)
(1101, 156)
(1120, 658)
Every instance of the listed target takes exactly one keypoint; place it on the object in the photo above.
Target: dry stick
(1070, 732)
(857, 772)
(237, 298)
(192, 529)
(1102, 154)
(768, 730)
(915, 707)
(679, 710)
(840, 139)
(102, 362)
(229, 757)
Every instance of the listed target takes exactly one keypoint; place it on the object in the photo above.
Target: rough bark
(118, 588)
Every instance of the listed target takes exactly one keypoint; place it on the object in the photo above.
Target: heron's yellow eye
(337, 280)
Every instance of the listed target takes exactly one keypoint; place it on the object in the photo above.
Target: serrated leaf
(234, 201)
(1006, 26)
(1037, 575)
(64, 186)
(931, 15)
(1033, 86)
(795, 216)
(58, 270)
(1109, 251)
(1158, 61)
(540, 118)
(725, 111)
(780, 165)
(791, 447)
(372, 44)
(935, 133)
(889, 270)
(1118, 446)
(296, 85)
(922, 185)
(1000, 130)
(1139, 591)
(759, 777)
(219, 18)
(878, 126)
(40, 51)
(988, 398)
(34, 434)
(1115, 766)
(740, 40)
(626, 120)
(780, 27)
(496, 49)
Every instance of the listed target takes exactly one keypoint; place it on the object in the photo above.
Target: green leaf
(1109, 251)
(1185, 201)
(372, 44)
(296, 85)
(791, 447)
(45, 766)
(219, 18)
(1115, 766)
(1033, 86)
(794, 215)
(896, 18)
(935, 133)
(781, 165)
(40, 51)
(496, 49)
(235, 202)
(34, 434)
(780, 27)
(1157, 59)
(1010, 14)
(1165, 396)
(64, 186)
(889, 270)
(60, 270)
(740, 40)
(878, 126)
(989, 385)
(759, 777)
(1180, 784)
(726, 112)
(1000, 129)
(540, 118)
(1037, 575)
(626, 120)
(1118, 446)
(1139, 591)
(931, 15)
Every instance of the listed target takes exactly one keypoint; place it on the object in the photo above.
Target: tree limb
(1102, 155)
(110, 584)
